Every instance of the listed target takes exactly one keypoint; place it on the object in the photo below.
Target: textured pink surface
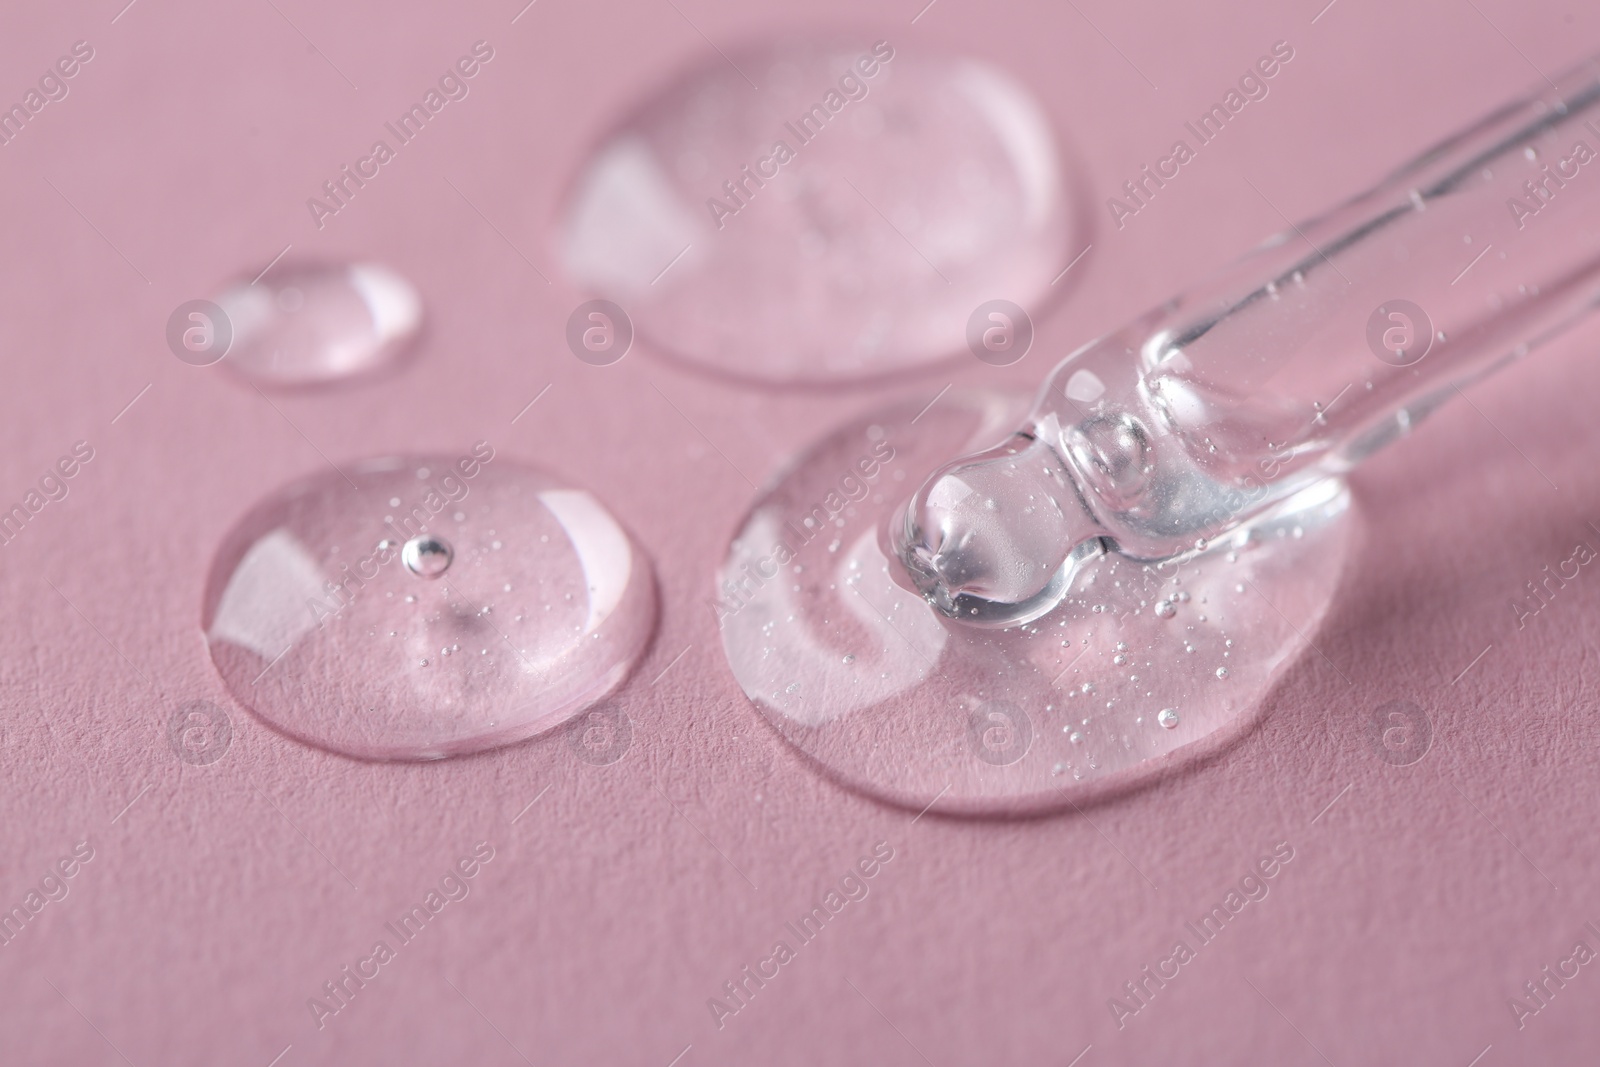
(225, 895)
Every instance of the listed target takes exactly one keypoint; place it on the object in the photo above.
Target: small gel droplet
(1168, 718)
(310, 324)
(293, 624)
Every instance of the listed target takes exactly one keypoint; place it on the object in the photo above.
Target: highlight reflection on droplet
(319, 621)
(311, 324)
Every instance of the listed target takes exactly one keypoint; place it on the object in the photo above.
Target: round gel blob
(421, 607)
(821, 212)
(314, 324)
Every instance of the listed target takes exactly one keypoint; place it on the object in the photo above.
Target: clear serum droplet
(321, 621)
(301, 325)
(1082, 682)
(906, 189)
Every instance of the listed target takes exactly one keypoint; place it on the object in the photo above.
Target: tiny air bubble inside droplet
(427, 556)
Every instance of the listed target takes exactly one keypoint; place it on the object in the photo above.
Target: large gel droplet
(403, 609)
(1099, 694)
(311, 324)
(833, 225)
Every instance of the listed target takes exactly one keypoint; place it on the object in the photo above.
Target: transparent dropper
(1332, 339)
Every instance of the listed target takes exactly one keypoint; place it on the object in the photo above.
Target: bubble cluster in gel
(421, 607)
(821, 211)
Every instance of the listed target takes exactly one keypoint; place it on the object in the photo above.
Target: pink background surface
(227, 894)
